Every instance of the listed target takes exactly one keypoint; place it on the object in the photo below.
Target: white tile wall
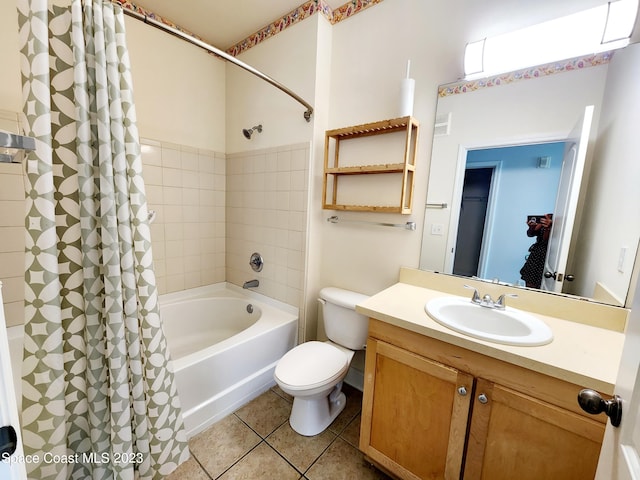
(186, 188)
(12, 211)
(267, 200)
(212, 213)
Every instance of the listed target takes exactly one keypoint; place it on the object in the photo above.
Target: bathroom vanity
(441, 404)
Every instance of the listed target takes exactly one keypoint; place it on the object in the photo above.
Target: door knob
(8, 441)
(550, 275)
(569, 277)
(592, 402)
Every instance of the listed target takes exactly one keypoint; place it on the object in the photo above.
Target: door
(473, 212)
(620, 455)
(11, 467)
(566, 204)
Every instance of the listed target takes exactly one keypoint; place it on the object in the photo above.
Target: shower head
(248, 132)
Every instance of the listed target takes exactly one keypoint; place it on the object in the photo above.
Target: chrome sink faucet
(487, 301)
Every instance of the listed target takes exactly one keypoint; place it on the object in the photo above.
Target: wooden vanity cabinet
(437, 411)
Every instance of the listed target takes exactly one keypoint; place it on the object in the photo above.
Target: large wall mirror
(562, 141)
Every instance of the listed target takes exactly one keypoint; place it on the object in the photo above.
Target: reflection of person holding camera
(533, 268)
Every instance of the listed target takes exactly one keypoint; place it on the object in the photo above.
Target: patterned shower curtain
(99, 398)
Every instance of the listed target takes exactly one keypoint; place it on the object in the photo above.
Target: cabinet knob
(592, 402)
(462, 390)
(482, 398)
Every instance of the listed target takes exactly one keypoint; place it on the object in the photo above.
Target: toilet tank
(342, 324)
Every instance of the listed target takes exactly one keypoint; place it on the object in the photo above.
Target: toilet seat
(310, 365)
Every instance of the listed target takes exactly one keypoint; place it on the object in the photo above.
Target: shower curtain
(99, 398)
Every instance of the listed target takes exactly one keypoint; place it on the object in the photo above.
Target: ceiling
(223, 23)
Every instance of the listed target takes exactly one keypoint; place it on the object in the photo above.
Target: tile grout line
(338, 435)
(283, 457)
(263, 440)
(240, 459)
(200, 464)
(304, 474)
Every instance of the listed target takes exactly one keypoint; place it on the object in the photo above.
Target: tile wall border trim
(181, 148)
(267, 150)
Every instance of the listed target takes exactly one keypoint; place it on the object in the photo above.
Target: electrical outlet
(437, 229)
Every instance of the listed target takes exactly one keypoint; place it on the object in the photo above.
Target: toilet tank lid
(342, 298)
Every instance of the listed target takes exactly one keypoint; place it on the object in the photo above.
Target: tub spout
(251, 284)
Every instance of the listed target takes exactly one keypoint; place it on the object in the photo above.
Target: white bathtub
(222, 355)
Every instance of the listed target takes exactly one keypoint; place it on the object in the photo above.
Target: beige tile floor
(256, 442)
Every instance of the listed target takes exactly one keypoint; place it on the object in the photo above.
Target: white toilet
(313, 371)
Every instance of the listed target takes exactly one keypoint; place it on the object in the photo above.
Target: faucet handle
(476, 296)
(500, 303)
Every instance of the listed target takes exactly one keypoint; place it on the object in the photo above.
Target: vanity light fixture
(599, 29)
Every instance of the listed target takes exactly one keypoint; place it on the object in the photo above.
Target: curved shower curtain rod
(219, 53)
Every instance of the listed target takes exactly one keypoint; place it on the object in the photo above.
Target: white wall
(10, 91)
(369, 57)
(616, 186)
(315, 216)
(289, 58)
(179, 89)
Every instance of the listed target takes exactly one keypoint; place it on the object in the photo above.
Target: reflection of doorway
(523, 184)
(471, 226)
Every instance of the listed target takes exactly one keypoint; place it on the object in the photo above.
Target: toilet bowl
(312, 373)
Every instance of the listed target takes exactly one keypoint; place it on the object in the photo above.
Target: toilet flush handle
(322, 301)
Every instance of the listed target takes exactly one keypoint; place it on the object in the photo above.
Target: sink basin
(509, 326)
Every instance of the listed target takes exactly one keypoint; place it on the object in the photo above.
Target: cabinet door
(516, 436)
(414, 414)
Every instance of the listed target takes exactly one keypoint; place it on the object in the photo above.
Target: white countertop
(582, 354)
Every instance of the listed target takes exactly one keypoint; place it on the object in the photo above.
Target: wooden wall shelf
(333, 169)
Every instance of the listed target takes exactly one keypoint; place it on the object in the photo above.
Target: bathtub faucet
(251, 284)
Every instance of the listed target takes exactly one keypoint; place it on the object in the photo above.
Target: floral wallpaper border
(300, 13)
(577, 63)
(305, 10)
